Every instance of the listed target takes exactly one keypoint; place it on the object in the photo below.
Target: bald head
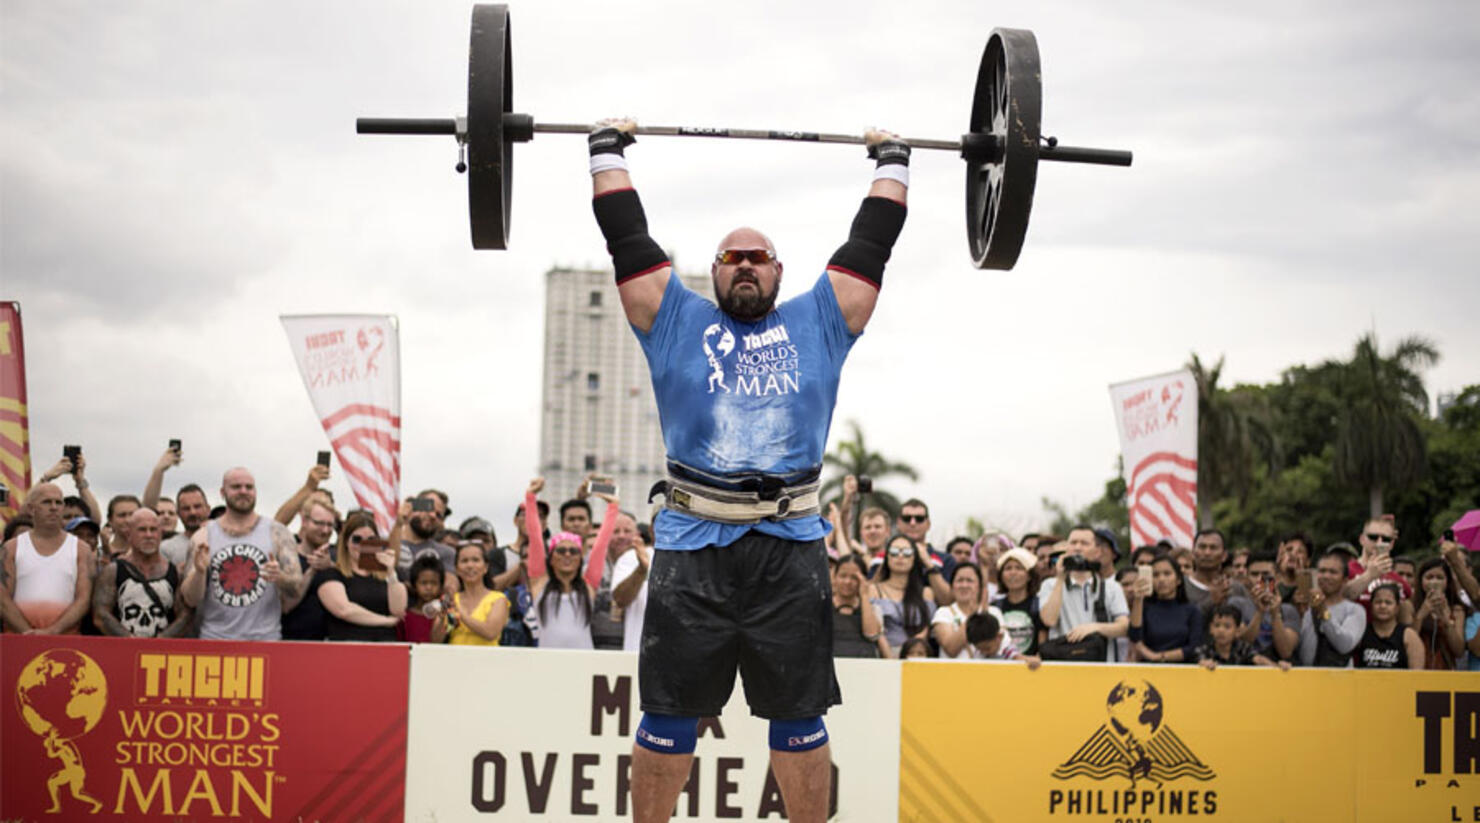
(746, 237)
(143, 532)
(45, 503)
(239, 490)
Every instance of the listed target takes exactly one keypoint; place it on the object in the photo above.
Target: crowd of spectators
(153, 566)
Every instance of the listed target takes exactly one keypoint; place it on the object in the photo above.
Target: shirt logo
(724, 344)
(236, 575)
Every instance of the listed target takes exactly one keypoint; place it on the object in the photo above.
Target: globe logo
(1136, 743)
(1135, 708)
(61, 695)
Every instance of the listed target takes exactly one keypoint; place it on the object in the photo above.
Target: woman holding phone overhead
(360, 592)
(561, 590)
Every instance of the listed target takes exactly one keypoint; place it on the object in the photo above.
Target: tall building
(598, 412)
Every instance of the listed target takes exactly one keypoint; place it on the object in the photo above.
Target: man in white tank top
(48, 576)
(243, 568)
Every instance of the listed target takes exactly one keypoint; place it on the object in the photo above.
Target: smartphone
(72, 453)
(366, 550)
(1312, 579)
(603, 487)
(4, 494)
(1449, 535)
(423, 504)
(324, 459)
(1304, 582)
(1143, 571)
(175, 444)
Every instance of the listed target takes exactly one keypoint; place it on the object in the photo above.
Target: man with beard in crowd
(193, 510)
(306, 619)
(137, 595)
(243, 568)
(428, 513)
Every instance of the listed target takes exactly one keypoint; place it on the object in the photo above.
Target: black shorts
(762, 604)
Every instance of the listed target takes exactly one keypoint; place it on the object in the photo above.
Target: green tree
(1233, 431)
(1379, 444)
(853, 456)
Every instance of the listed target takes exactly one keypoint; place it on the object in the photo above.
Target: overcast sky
(174, 176)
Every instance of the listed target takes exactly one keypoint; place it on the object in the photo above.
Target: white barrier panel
(519, 734)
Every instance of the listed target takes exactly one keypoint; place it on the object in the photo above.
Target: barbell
(1001, 148)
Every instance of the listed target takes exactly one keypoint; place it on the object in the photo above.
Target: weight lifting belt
(748, 498)
(870, 240)
(624, 225)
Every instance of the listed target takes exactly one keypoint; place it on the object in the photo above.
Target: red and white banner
(351, 366)
(1157, 421)
(15, 456)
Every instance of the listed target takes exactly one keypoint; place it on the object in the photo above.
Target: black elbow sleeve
(870, 240)
(624, 225)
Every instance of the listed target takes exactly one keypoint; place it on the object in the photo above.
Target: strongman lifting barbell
(1001, 149)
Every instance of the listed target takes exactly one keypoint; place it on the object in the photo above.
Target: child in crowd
(987, 641)
(915, 647)
(1223, 645)
(426, 615)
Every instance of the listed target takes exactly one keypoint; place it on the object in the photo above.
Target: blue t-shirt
(737, 397)
(1472, 626)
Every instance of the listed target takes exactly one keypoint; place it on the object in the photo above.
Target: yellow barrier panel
(997, 742)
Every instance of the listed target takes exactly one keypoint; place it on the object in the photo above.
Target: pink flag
(1157, 421)
(351, 366)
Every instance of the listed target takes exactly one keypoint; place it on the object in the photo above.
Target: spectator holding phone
(1439, 615)
(899, 593)
(1377, 539)
(1330, 625)
(361, 592)
(76, 466)
(1017, 576)
(1165, 627)
(427, 514)
(1387, 643)
(477, 614)
(563, 596)
(306, 619)
(1274, 630)
(425, 620)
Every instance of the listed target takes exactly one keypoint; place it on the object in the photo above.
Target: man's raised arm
(857, 267)
(641, 265)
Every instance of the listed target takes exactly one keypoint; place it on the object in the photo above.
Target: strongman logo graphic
(236, 575)
(725, 343)
(61, 695)
(1136, 744)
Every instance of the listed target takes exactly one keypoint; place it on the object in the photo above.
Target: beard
(751, 305)
(242, 503)
(422, 528)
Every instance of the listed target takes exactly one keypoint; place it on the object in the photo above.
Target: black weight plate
(1007, 106)
(490, 156)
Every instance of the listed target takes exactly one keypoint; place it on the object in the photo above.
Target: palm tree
(853, 457)
(1224, 446)
(1379, 445)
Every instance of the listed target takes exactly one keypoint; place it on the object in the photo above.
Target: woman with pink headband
(562, 594)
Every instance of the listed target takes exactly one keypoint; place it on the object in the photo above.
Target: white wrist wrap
(893, 171)
(607, 161)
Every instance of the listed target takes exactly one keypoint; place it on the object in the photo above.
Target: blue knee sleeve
(667, 734)
(799, 735)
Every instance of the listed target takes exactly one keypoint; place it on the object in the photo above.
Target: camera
(1075, 563)
(865, 484)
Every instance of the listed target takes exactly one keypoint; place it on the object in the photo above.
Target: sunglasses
(914, 518)
(1380, 538)
(565, 550)
(896, 551)
(732, 257)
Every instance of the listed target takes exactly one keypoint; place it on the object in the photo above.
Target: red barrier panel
(194, 730)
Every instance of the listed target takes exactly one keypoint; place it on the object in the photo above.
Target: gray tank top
(239, 604)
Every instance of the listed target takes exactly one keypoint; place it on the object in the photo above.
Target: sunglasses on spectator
(1380, 538)
(566, 550)
(757, 257)
(900, 551)
(1263, 576)
(914, 518)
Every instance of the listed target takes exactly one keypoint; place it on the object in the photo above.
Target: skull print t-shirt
(146, 605)
(739, 398)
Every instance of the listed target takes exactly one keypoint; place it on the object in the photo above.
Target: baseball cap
(1344, 548)
(474, 525)
(1109, 537)
(78, 522)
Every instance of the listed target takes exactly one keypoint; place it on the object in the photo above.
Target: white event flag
(1157, 421)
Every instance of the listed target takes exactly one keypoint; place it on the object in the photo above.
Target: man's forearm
(289, 509)
(153, 487)
(627, 590)
(193, 588)
(1347, 632)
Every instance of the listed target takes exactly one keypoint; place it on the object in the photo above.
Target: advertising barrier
(111, 728)
(516, 734)
(1145, 743)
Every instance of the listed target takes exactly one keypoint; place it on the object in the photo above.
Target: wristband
(606, 161)
(893, 171)
(890, 152)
